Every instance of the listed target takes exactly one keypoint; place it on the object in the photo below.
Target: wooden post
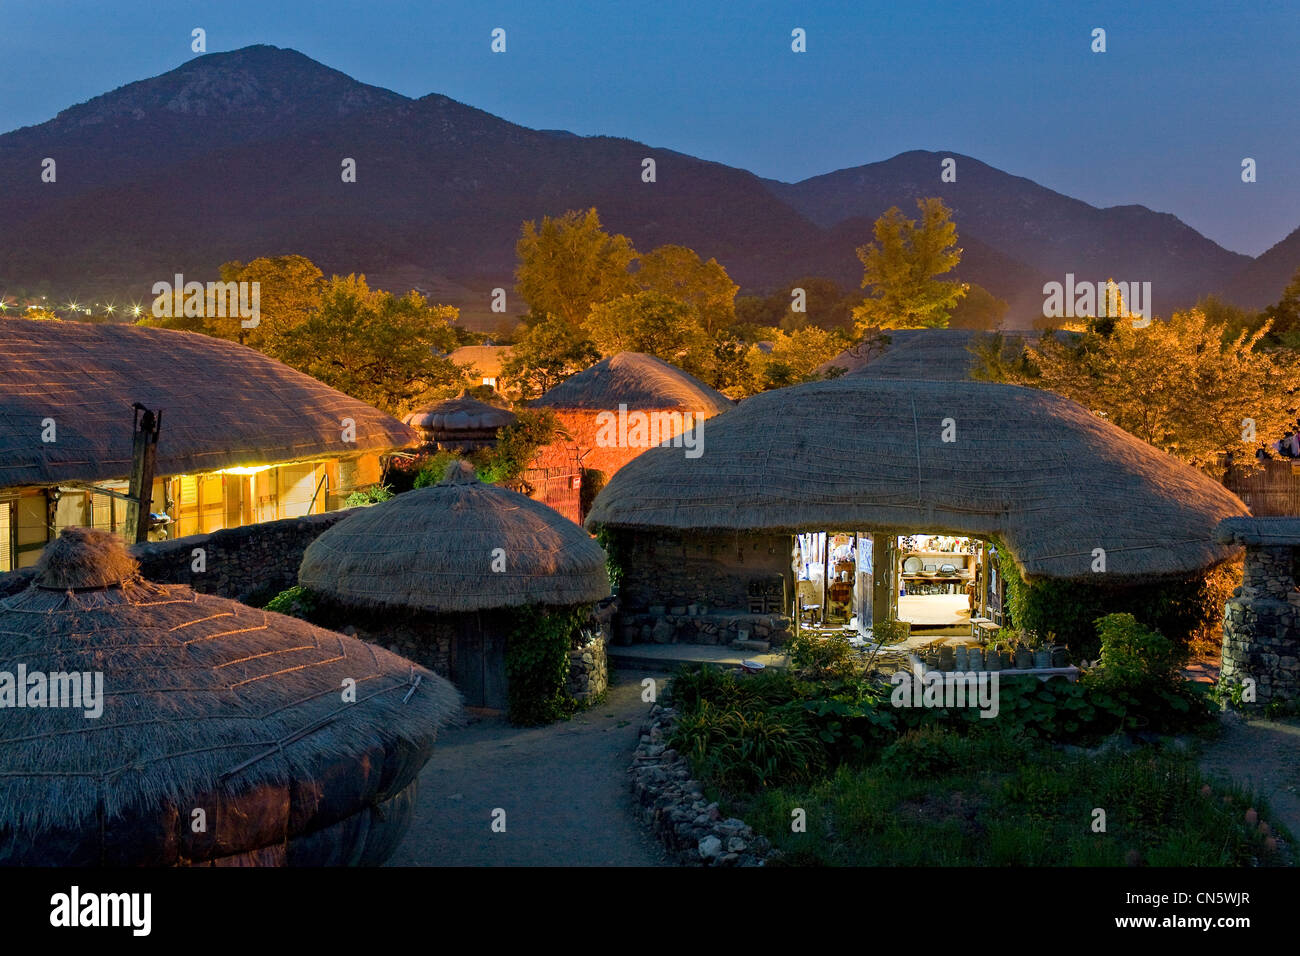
(826, 579)
(144, 447)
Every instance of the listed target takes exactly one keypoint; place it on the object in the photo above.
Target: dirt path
(563, 788)
(1264, 755)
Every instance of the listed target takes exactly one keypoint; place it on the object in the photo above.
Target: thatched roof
(223, 405)
(638, 381)
(1278, 532)
(1050, 478)
(928, 354)
(434, 549)
(462, 416)
(206, 703)
(488, 359)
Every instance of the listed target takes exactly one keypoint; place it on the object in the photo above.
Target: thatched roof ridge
(456, 546)
(927, 354)
(224, 405)
(1279, 532)
(638, 381)
(1049, 477)
(203, 699)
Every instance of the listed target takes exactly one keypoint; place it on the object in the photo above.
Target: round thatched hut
(619, 408)
(1071, 497)
(461, 422)
(440, 572)
(148, 724)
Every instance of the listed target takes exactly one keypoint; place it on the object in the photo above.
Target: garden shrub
(744, 748)
(368, 496)
(821, 658)
(296, 601)
(1183, 608)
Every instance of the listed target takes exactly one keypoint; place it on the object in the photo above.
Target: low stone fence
(251, 564)
(679, 626)
(588, 665)
(673, 805)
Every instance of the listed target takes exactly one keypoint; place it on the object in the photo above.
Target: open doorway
(939, 582)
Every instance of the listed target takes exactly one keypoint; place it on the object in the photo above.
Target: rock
(736, 845)
(710, 848)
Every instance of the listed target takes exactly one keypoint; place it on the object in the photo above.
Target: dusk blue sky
(1163, 118)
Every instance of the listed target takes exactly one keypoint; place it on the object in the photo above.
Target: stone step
(761, 647)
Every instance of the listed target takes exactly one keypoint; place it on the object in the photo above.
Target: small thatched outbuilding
(437, 570)
(461, 422)
(619, 408)
(201, 731)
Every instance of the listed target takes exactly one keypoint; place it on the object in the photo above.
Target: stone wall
(687, 628)
(588, 665)
(1261, 626)
(716, 570)
(251, 564)
(704, 588)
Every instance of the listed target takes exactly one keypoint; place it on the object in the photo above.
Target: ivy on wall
(1181, 608)
(537, 663)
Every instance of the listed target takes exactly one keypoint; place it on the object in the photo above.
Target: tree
(569, 264)
(791, 357)
(652, 323)
(545, 354)
(289, 290)
(1175, 384)
(979, 309)
(1285, 316)
(678, 272)
(825, 305)
(375, 346)
(901, 267)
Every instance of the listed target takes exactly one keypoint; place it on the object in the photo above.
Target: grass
(1009, 802)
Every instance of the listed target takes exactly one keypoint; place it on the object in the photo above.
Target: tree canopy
(1181, 385)
(901, 268)
(545, 353)
(678, 272)
(569, 263)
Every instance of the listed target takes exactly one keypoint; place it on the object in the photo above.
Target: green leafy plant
(368, 496)
(820, 658)
(296, 601)
(537, 664)
(608, 540)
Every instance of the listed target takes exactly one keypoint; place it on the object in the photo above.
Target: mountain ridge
(237, 154)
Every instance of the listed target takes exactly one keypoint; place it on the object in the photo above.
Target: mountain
(1043, 231)
(237, 155)
(1261, 283)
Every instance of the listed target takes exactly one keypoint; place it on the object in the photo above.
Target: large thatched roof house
(434, 566)
(622, 406)
(243, 438)
(181, 728)
(1070, 495)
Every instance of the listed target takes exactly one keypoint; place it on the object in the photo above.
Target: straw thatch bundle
(639, 381)
(207, 704)
(223, 405)
(456, 546)
(1050, 478)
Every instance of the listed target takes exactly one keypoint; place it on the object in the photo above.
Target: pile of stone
(673, 805)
